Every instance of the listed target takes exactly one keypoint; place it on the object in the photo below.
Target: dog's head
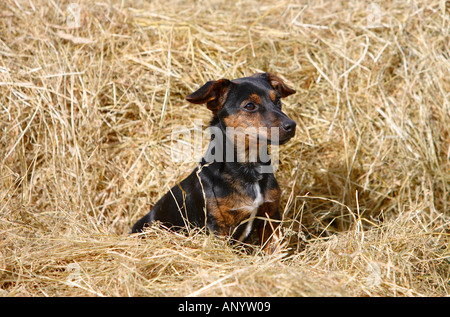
(249, 102)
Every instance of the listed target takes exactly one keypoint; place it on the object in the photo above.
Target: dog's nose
(289, 126)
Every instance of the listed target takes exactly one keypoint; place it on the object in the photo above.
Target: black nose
(289, 126)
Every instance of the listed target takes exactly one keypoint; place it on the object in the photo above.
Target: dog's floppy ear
(277, 83)
(213, 93)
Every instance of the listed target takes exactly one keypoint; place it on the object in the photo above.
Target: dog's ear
(213, 93)
(277, 83)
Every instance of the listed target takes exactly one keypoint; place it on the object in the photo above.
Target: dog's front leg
(268, 229)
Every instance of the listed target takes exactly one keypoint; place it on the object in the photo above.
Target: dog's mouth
(280, 141)
(253, 137)
(283, 138)
(283, 141)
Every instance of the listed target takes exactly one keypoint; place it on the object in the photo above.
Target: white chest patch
(253, 209)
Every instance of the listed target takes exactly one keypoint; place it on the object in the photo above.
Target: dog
(228, 193)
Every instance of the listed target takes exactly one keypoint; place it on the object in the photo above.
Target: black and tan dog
(230, 194)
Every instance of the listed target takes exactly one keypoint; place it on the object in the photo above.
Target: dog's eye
(250, 107)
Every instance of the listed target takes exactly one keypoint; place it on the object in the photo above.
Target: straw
(90, 93)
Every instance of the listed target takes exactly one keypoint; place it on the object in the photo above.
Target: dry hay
(86, 114)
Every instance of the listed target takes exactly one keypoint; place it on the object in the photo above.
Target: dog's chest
(251, 202)
(252, 209)
(238, 209)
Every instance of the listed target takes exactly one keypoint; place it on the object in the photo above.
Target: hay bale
(90, 93)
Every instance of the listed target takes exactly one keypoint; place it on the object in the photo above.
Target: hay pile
(87, 107)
